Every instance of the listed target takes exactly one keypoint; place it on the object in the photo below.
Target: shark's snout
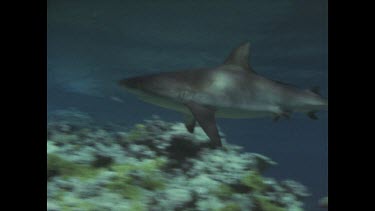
(324, 104)
(316, 102)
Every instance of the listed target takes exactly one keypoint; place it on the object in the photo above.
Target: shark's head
(138, 85)
(131, 84)
(148, 85)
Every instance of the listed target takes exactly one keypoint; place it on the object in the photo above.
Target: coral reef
(323, 202)
(156, 165)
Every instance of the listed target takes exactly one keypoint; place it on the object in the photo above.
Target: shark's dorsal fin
(240, 57)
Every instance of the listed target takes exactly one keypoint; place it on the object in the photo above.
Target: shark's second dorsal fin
(240, 56)
(315, 89)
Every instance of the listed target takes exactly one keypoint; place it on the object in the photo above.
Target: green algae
(137, 132)
(223, 191)
(148, 176)
(265, 204)
(152, 179)
(122, 182)
(126, 190)
(57, 166)
(254, 181)
(152, 183)
(102, 161)
(137, 206)
(231, 206)
(80, 205)
(64, 138)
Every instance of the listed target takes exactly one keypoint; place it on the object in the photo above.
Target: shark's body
(231, 90)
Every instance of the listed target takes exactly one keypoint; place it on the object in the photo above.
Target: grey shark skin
(230, 90)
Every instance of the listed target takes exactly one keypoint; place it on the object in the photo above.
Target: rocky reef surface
(154, 166)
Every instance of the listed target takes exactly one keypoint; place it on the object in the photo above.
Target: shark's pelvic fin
(190, 123)
(312, 115)
(206, 119)
(240, 57)
(283, 113)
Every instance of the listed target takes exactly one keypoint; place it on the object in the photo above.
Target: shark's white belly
(165, 103)
(221, 112)
(242, 114)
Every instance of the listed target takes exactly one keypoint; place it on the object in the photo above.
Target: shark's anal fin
(312, 115)
(206, 119)
(190, 123)
(283, 113)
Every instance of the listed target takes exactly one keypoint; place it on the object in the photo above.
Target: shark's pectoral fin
(190, 123)
(282, 113)
(312, 115)
(286, 114)
(206, 119)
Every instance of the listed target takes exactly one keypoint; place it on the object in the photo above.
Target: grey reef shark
(230, 90)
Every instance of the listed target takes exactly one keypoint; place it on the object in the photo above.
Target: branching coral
(105, 169)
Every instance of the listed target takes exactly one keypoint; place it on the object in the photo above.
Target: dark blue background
(93, 43)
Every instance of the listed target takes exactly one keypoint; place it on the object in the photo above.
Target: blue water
(91, 44)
